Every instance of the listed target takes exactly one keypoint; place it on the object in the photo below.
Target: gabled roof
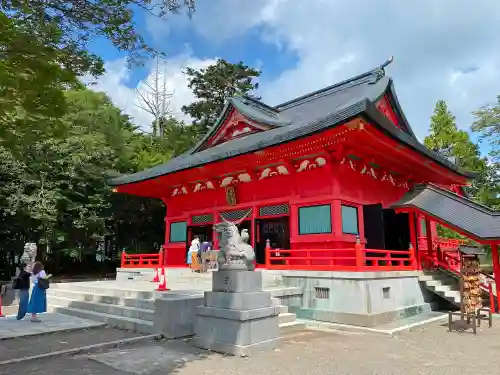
(464, 214)
(298, 118)
(251, 109)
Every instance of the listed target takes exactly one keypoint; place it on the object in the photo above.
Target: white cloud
(442, 49)
(334, 39)
(115, 83)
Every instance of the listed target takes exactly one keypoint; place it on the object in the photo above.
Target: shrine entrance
(385, 229)
(276, 230)
(203, 232)
(396, 230)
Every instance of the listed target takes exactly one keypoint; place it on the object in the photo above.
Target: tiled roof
(298, 118)
(464, 214)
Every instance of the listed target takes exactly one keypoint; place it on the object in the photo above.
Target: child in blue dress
(38, 300)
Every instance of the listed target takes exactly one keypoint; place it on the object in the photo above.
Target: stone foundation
(237, 317)
(357, 298)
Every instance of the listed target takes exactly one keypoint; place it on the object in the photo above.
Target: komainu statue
(235, 253)
(29, 254)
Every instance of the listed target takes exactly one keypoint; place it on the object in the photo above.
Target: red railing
(142, 260)
(347, 259)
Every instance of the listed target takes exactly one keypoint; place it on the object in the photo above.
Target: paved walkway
(28, 346)
(51, 322)
(429, 350)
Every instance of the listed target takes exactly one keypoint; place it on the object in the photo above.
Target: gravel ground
(52, 342)
(426, 350)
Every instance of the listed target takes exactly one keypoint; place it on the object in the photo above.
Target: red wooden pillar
(413, 239)
(216, 219)
(496, 266)
(167, 238)
(430, 249)
(253, 235)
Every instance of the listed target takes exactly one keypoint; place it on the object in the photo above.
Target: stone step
(101, 298)
(286, 318)
(276, 301)
(452, 293)
(114, 321)
(441, 282)
(291, 327)
(443, 288)
(437, 277)
(128, 312)
(453, 298)
(281, 309)
(105, 290)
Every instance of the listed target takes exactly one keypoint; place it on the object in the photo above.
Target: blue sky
(442, 50)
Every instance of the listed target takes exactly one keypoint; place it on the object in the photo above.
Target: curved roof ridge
(371, 76)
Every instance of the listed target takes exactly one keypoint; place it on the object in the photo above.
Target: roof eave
(388, 128)
(399, 109)
(331, 121)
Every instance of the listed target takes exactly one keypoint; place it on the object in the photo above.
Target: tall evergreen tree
(456, 144)
(446, 139)
(213, 85)
(487, 124)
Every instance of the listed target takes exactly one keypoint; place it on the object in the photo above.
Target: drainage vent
(322, 293)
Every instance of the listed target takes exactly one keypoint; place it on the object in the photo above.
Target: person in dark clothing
(23, 285)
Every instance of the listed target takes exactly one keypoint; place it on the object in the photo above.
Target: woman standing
(23, 285)
(38, 300)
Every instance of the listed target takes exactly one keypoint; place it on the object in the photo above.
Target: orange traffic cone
(156, 278)
(162, 286)
(1, 301)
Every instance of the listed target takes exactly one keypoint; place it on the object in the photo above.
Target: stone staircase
(287, 321)
(132, 310)
(124, 309)
(443, 284)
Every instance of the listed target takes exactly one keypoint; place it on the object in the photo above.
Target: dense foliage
(444, 137)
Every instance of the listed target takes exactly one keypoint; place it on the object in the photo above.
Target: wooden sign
(231, 196)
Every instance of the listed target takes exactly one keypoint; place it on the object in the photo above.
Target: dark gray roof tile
(300, 117)
(464, 214)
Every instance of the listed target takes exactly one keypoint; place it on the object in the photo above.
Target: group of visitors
(199, 250)
(37, 302)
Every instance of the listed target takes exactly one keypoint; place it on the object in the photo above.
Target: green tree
(446, 139)
(44, 46)
(213, 85)
(54, 189)
(451, 142)
(487, 124)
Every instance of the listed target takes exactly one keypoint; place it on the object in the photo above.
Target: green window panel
(350, 220)
(178, 231)
(315, 219)
(423, 227)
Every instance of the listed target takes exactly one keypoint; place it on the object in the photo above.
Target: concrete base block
(236, 336)
(236, 281)
(238, 301)
(175, 316)
(237, 317)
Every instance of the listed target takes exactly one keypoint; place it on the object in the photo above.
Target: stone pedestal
(237, 316)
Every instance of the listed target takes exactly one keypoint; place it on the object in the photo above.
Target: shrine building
(334, 180)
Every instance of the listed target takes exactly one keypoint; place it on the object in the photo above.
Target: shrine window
(423, 228)
(350, 220)
(178, 231)
(315, 219)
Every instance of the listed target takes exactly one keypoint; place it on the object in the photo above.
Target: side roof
(464, 214)
(298, 118)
